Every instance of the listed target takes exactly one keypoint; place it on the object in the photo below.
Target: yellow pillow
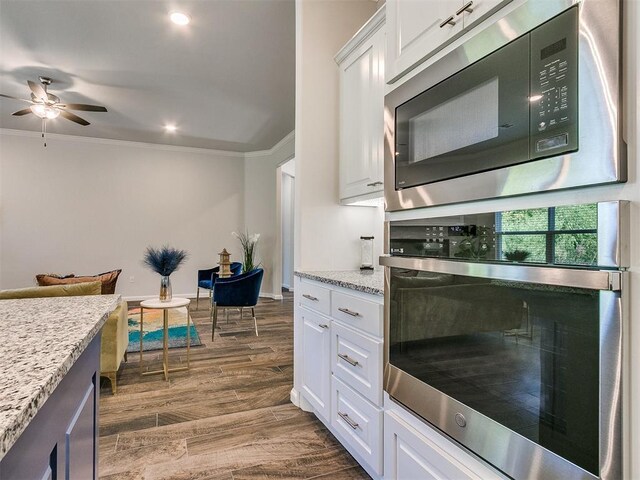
(76, 289)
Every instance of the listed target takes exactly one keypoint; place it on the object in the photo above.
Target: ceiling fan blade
(82, 106)
(73, 117)
(19, 113)
(15, 98)
(38, 91)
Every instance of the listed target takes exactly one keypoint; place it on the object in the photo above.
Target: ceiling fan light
(39, 110)
(179, 18)
(45, 111)
(52, 113)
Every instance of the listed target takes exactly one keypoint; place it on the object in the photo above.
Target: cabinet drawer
(357, 312)
(358, 423)
(357, 361)
(314, 296)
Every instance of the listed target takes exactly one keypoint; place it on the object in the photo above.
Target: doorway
(287, 209)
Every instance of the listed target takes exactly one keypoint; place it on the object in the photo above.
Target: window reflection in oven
(525, 355)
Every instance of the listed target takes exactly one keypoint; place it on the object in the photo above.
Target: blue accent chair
(240, 292)
(207, 279)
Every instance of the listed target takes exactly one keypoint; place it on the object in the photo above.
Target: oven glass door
(525, 355)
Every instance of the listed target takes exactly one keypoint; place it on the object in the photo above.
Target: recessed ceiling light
(179, 18)
(170, 128)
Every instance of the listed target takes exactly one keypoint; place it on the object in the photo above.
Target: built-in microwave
(532, 103)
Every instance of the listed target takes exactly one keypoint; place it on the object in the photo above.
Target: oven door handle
(559, 276)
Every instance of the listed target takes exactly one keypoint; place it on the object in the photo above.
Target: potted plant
(164, 261)
(517, 255)
(248, 243)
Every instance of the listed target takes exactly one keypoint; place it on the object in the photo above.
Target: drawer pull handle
(323, 325)
(374, 184)
(348, 421)
(448, 21)
(310, 297)
(348, 359)
(466, 8)
(349, 312)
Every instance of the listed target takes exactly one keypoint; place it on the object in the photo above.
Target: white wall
(262, 209)
(327, 234)
(87, 206)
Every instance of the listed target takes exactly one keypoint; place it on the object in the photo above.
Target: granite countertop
(41, 338)
(370, 282)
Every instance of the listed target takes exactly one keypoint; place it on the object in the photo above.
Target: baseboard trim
(294, 396)
(272, 296)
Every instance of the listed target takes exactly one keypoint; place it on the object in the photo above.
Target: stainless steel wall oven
(531, 103)
(508, 337)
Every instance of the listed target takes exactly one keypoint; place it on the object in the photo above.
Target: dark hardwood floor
(228, 418)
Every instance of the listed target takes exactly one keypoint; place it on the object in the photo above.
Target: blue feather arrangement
(165, 260)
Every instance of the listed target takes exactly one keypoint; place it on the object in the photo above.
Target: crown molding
(151, 146)
(289, 138)
(367, 30)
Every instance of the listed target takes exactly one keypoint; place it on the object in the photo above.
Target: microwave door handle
(563, 277)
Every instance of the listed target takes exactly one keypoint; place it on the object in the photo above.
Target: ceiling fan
(48, 106)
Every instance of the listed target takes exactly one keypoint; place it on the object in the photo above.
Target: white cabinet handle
(323, 325)
(348, 359)
(348, 421)
(310, 297)
(349, 312)
(448, 21)
(466, 8)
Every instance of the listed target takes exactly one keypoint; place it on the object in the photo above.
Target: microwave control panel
(554, 86)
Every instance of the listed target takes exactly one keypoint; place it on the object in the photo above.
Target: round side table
(156, 304)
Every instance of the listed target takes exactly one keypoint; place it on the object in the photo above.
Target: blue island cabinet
(61, 441)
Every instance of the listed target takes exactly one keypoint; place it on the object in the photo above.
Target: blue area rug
(152, 334)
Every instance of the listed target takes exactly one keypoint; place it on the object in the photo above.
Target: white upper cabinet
(416, 29)
(361, 64)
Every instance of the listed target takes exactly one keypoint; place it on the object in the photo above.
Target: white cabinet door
(362, 119)
(316, 364)
(415, 28)
(410, 454)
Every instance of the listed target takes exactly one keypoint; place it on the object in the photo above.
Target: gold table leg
(165, 343)
(141, 330)
(188, 336)
(165, 346)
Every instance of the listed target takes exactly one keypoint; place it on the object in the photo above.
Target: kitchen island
(49, 385)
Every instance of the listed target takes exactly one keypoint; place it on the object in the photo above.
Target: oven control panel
(554, 86)
(447, 241)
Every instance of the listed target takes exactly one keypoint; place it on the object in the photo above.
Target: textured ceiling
(227, 80)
